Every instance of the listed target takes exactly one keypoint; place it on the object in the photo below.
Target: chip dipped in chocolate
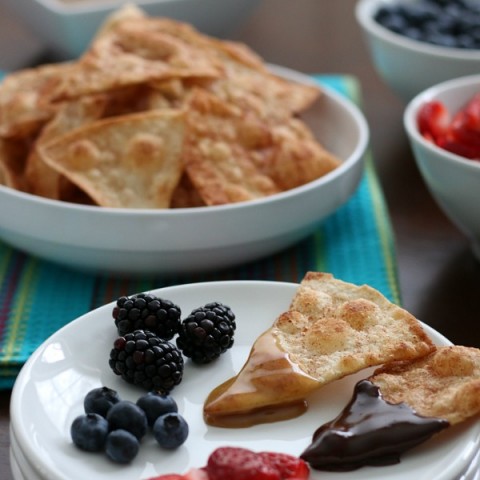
(401, 406)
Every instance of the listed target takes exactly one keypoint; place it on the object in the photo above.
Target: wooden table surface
(439, 277)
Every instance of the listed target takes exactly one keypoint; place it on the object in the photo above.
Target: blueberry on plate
(125, 415)
(170, 430)
(155, 404)
(99, 400)
(89, 432)
(121, 446)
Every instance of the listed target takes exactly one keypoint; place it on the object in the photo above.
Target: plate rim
(23, 379)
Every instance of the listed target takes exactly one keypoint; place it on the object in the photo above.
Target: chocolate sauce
(369, 431)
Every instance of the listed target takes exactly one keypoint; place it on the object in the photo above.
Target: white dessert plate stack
(49, 392)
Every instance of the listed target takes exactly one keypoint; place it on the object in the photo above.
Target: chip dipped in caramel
(332, 329)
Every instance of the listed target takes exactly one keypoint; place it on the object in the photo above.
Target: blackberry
(207, 332)
(146, 360)
(146, 311)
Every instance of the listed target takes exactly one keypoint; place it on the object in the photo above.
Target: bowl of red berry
(443, 127)
(415, 44)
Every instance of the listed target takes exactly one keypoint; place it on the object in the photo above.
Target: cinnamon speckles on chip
(133, 161)
(334, 328)
(241, 139)
(444, 384)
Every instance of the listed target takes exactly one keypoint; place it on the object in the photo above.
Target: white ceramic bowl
(453, 180)
(193, 239)
(408, 66)
(68, 25)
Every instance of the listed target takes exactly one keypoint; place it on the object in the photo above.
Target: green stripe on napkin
(355, 244)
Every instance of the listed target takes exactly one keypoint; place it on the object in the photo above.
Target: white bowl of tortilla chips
(126, 162)
(67, 26)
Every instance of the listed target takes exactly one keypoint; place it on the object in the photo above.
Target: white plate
(49, 391)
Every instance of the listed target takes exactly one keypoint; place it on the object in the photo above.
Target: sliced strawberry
(462, 149)
(463, 137)
(433, 120)
(472, 113)
(196, 474)
(289, 466)
(192, 474)
(168, 476)
(234, 463)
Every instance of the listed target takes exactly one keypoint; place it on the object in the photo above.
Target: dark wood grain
(439, 277)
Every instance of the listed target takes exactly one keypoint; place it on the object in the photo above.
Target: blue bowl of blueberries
(415, 44)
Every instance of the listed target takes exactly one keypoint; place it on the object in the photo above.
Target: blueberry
(447, 23)
(99, 400)
(121, 446)
(155, 404)
(170, 430)
(89, 432)
(126, 415)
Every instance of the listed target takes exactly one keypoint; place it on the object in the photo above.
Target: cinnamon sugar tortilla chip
(186, 195)
(445, 384)
(127, 53)
(13, 156)
(41, 177)
(25, 99)
(216, 162)
(143, 64)
(133, 161)
(263, 93)
(295, 157)
(334, 328)
(241, 75)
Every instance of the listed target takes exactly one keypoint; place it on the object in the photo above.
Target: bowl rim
(431, 93)
(364, 10)
(355, 157)
(73, 7)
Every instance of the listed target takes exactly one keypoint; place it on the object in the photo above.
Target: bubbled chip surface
(102, 156)
(444, 384)
(334, 328)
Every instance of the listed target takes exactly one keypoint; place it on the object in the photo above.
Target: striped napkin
(355, 244)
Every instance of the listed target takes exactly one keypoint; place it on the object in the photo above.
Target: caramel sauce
(269, 388)
(369, 431)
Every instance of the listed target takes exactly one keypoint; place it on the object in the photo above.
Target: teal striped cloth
(355, 244)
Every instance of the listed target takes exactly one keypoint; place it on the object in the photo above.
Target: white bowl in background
(408, 66)
(454, 181)
(69, 25)
(139, 241)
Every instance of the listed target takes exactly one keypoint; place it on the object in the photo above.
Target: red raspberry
(239, 464)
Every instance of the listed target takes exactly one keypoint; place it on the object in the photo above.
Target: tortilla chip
(141, 64)
(445, 384)
(13, 156)
(127, 53)
(44, 180)
(218, 164)
(25, 99)
(332, 329)
(133, 161)
(186, 195)
(295, 157)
